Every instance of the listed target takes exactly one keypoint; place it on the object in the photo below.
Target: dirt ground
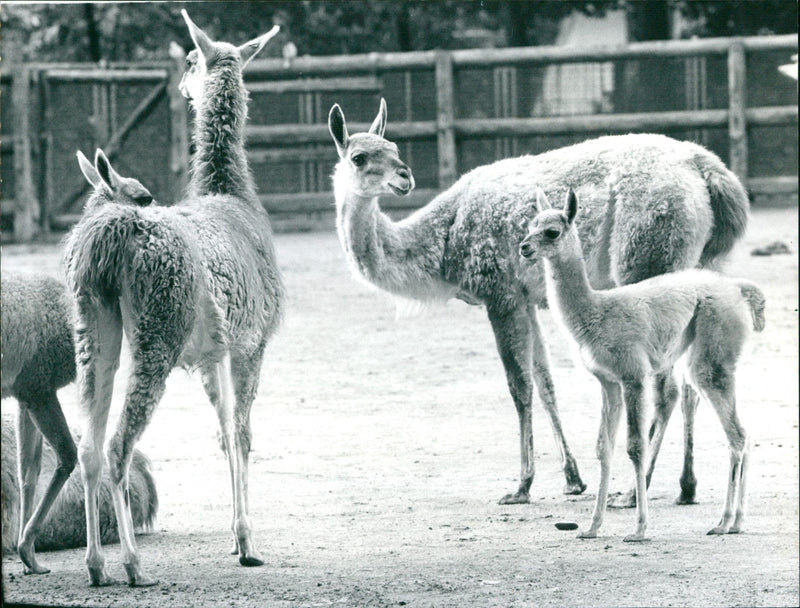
(381, 447)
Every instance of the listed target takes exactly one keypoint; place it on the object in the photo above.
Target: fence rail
(433, 122)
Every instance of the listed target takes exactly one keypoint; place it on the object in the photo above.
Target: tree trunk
(649, 20)
(515, 17)
(92, 33)
(403, 29)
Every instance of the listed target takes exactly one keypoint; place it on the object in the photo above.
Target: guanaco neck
(389, 255)
(219, 165)
(568, 290)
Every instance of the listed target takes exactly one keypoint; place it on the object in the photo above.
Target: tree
(133, 31)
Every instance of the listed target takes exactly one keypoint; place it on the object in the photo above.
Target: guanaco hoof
(717, 530)
(142, 581)
(28, 557)
(685, 499)
(518, 498)
(98, 578)
(136, 578)
(250, 562)
(574, 487)
(35, 569)
(635, 538)
(587, 534)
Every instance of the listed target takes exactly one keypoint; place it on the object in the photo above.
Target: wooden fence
(448, 110)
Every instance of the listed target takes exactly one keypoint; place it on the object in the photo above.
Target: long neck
(568, 289)
(402, 258)
(219, 165)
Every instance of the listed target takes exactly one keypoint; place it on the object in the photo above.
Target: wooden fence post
(737, 125)
(178, 124)
(26, 208)
(445, 120)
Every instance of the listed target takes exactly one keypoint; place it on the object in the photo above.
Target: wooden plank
(104, 75)
(371, 62)
(546, 54)
(785, 184)
(365, 62)
(737, 121)
(591, 123)
(7, 206)
(309, 85)
(179, 156)
(292, 204)
(41, 149)
(287, 155)
(258, 135)
(112, 146)
(47, 189)
(318, 133)
(445, 118)
(771, 115)
(598, 53)
(313, 202)
(66, 66)
(26, 214)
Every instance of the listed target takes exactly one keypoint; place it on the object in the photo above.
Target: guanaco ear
(105, 171)
(378, 126)
(541, 200)
(571, 206)
(338, 128)
(249, 49)
(201, 40)
(88, 170)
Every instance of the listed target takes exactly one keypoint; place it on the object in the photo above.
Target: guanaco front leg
(609, 423)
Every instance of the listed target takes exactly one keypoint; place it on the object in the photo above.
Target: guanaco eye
(552, 233)
(359, 159)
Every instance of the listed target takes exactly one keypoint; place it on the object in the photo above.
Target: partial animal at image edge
(65, 525)
(38, 358)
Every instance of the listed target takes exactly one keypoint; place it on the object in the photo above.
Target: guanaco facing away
(627, 335)
(194, 285)
(38, 359)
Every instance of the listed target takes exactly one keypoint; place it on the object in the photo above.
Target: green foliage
(715, 18)
(134, 31)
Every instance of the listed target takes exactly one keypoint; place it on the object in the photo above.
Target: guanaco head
(549, 231)
(110, 186)
(372, 163)
(207, 54)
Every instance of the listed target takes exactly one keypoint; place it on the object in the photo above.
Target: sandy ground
(381, 447)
